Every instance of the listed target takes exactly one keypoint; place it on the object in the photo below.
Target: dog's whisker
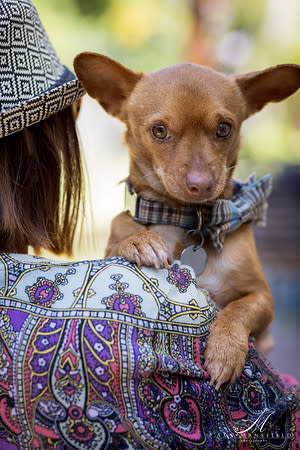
(231, 167)
(146, 175)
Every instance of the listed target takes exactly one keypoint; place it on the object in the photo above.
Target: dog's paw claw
(146, 248)
(137, 259)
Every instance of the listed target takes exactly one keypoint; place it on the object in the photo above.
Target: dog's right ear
(106, 80)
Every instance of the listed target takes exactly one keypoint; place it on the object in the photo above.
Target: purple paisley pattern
(46, 292)
(180, 277)
(95, 355)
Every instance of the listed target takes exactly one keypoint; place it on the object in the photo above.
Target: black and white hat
(33, 82)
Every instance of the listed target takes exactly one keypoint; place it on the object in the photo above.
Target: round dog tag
(194, 256)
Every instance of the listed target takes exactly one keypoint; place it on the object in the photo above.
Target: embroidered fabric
(106, 355)
(218, 217)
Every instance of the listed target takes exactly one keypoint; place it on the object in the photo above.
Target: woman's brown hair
(41, 186)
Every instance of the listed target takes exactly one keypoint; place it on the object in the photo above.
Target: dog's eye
(223, 130)
(160, 132)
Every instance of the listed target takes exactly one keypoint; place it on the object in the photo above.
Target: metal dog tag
(196, 257)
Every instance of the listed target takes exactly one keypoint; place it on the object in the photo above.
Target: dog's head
(183, 122)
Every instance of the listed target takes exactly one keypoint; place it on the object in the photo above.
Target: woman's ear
(106, 80)
(270, 85)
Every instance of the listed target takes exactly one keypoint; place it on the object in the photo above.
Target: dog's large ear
(270, 85)
(106, 80)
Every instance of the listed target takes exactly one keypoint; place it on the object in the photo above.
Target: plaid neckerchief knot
(215, 218)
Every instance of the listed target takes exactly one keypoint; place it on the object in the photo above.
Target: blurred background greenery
(232, 36)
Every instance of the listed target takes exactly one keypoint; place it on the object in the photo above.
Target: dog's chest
(211, 278)
(173, 236)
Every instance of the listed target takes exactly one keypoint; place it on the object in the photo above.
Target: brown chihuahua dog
(183, 133)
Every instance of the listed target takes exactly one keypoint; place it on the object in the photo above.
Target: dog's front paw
(146, 248)
(226, 351)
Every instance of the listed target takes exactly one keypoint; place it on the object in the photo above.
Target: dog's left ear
(106, 80)
(270, 85)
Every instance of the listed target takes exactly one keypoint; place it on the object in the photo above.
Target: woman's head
(40, 166)
(40, 185)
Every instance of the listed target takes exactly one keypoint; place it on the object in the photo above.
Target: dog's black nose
(199, 183)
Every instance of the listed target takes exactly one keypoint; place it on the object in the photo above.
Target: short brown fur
(191, 166)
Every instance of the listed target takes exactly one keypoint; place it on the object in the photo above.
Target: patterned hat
(33, 82)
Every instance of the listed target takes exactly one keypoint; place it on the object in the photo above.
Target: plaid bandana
(215, 218)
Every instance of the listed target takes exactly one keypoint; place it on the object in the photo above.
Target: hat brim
(62, 94)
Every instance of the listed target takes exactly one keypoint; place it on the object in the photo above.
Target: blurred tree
(200, 46)
(92, 7)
